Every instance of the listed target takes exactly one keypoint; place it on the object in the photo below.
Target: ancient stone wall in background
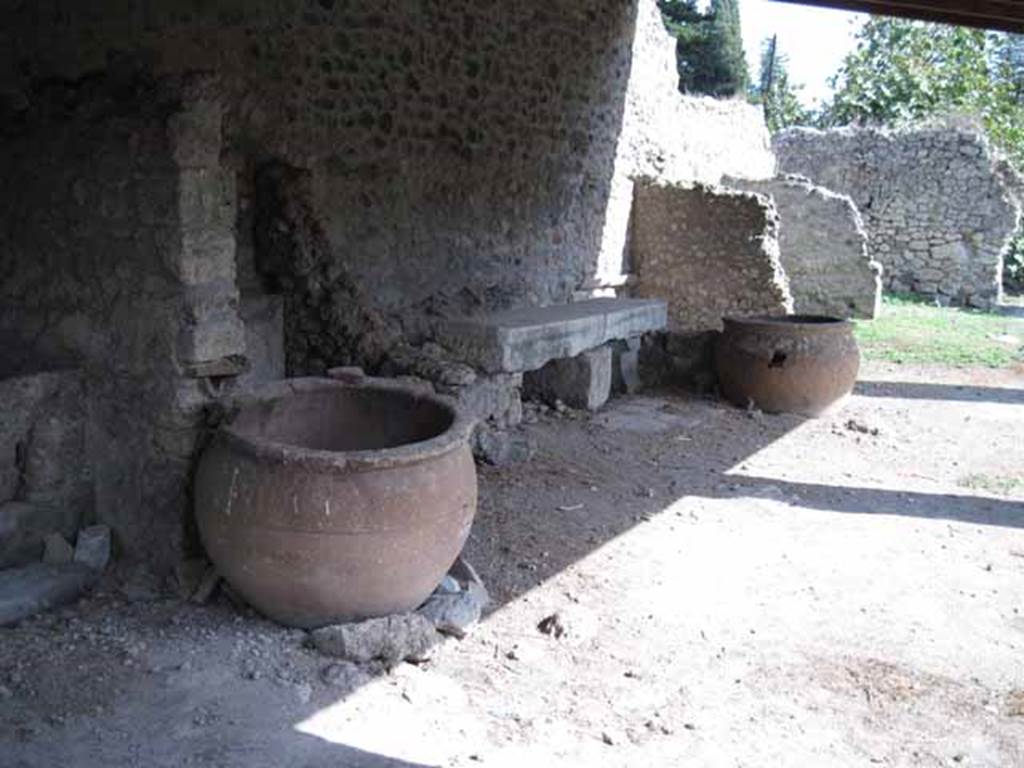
(684, 138)
(822, 247)
(116, 259)
(709, 252)
(938, 206)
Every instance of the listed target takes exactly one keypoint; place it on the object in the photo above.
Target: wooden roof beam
(1003, 15)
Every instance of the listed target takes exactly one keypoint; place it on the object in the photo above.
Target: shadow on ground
(879, 501)
(594, 478)
(914, 390)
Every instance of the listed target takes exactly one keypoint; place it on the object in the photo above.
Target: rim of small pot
(804, 323)
(457, 434)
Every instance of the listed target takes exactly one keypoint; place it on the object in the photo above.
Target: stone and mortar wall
(938, 206)
(708, 252)
(459, 154)
(116, 258)
(822, 247)
(681, 138)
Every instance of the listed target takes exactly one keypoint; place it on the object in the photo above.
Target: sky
(814, 39)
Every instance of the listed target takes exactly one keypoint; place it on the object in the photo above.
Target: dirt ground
(732, 589)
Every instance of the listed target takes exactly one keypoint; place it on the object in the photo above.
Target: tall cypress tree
(709, 46)
(729, 74)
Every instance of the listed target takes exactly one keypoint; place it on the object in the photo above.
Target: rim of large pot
(457, 433)
(805, 323)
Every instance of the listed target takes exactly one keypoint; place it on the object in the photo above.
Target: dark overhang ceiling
(1005, 15)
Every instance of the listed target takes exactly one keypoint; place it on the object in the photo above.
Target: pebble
(57, 550)
(304, 692)
(206, 586)
(448, 586)
(345, 675)
(857, 425)
(93, 547)
(390, 639)
(551, 625)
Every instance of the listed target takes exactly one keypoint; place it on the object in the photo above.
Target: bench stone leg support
(626, 366)
(583, 381)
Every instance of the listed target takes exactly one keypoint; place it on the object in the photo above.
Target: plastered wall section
(822, 248)
(938, 206)
(709, 252)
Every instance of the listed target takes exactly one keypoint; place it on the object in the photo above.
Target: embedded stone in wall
(938, 205)
(709, 252)
(492, 398)
(822, 247)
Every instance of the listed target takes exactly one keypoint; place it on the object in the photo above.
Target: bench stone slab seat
(527, 338)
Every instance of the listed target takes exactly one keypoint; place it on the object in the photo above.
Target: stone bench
(526, 339)
(563, 349)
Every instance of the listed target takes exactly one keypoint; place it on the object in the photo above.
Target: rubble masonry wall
(822, 247)
(938, 206)
(727, 264)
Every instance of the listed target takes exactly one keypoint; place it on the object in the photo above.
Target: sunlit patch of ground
(736, 589)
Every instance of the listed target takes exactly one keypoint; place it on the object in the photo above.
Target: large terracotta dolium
(321, 501)
(804, 364)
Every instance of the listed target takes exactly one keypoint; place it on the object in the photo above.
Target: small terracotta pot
(323, 501)
(801, 364)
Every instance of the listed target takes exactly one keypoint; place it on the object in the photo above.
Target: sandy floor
(735, 590)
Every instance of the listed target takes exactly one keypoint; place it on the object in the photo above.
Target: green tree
(729, 74)
(902, 71)
(709, 46)
(774, 91)
(691, 28)
(906, 71)
(1009, 60)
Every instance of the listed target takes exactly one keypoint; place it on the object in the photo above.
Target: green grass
(910, 330)
(1002, 485)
